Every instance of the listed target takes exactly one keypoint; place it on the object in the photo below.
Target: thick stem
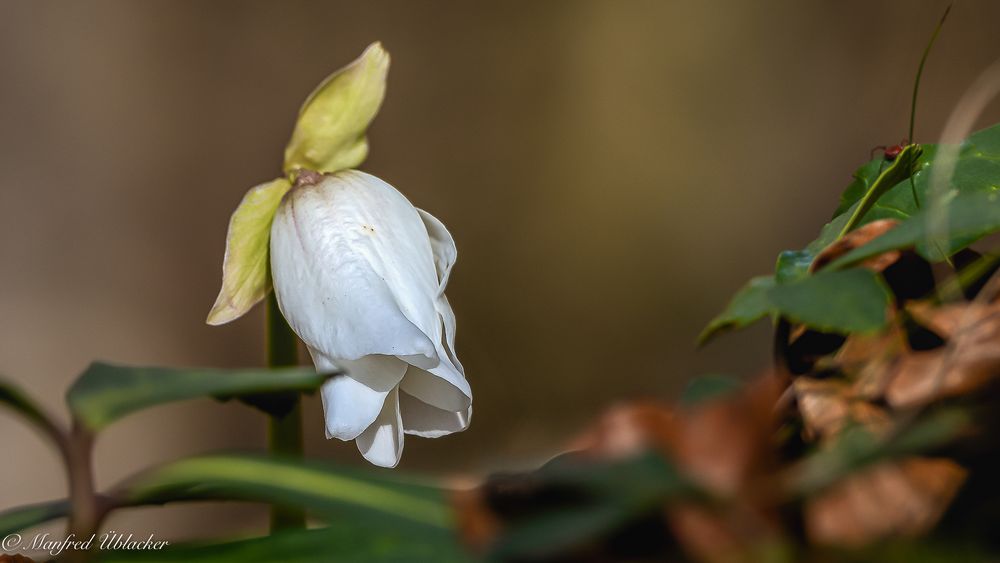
(86, 507)
(284, 432)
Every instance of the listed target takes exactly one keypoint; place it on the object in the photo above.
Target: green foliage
(832, 301)
(330, 493)
(899, 171)
(345, 541)
(749, 305)
(603, 497)
(967, 218)
(12, 397)
(977, 169)
(106, 392)
(23, 517)
(880, 190)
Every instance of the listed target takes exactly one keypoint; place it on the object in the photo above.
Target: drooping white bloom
(360, 275)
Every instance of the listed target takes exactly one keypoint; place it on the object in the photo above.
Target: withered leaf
(867, 360)
(733, 535)
(969, 360)
(477, 524)
(827, 406)
(856, 239)
(897, 499)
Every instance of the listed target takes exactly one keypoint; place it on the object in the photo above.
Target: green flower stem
(284, 432)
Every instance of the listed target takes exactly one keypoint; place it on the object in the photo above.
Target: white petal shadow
(427, 421)
(443, 386)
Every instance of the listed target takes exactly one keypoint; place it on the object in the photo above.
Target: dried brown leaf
(823, 405)
(856, 239)
(721, 444)
(478, 526)
(629, 429)
(969, 360)
(718, 443)
(724, 444)
(723, 536)
(898, 499)
(827, 405)
(958, 320)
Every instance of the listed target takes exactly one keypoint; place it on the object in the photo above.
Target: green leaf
(329, 134)
(23, 517)
(841, 301)
(709, 387)
(900, 170)
(969, 217)
(551, 533)
(344, 541)
(749, 305)
(332, 493)
(864, 177)
(832, 301)
(13, 397)
(977, 170)
(105, 392)
(610, 495)
(868, 198)
(246, 277)
(793, 265)
(898, 197)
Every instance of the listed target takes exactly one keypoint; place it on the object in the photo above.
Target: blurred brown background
(612, 172)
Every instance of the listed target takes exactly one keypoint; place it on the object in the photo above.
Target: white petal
(443, 245)
(428, 421)
(443, 387)
(353, 268)
(448, 324)
(352, 402)
(382, 442)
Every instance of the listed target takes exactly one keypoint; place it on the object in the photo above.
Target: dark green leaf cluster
(936, 222)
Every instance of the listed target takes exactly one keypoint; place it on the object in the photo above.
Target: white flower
(360, 275)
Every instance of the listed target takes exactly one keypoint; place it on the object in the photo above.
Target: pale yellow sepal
(329, 134)
(245, 277)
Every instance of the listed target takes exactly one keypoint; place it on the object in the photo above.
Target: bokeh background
(611, 171)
